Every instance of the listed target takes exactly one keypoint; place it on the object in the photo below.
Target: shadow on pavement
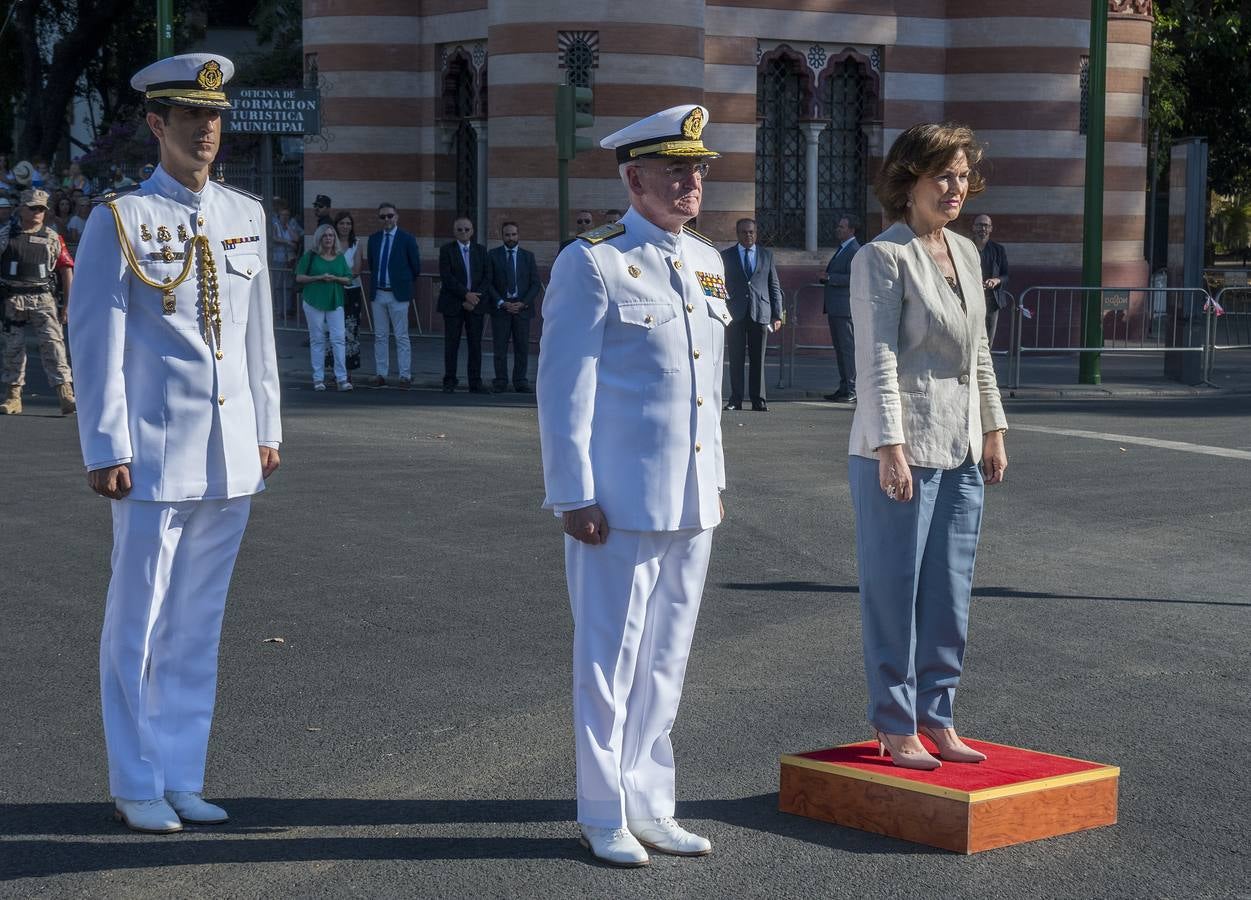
(1005, 593)
(252, 834)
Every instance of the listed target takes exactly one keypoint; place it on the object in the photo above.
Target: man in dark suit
(756, 310)
(395, 264)
(994, 273)
(465, 298)
(515, 278)
(837, 281)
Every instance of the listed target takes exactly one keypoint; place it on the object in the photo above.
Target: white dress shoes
(614, 846)
(148, 816)
(193, 809)
(668, 836)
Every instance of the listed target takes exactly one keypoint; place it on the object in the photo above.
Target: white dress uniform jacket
(151, 390)
(925, 374)
(629, 381)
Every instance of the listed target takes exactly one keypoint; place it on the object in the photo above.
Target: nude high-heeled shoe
(905, 758)
(950, 747)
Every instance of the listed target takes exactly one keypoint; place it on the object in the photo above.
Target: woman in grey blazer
(928, 414)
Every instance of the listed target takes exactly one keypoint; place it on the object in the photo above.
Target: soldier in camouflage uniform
(30, 259)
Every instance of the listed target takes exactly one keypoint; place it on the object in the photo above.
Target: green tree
(1201, 83)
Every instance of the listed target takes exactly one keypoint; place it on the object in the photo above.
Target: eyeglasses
(681, 172)
(584, 221)
(385, 216)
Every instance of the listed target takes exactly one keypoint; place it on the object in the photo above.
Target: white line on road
(1141, 441)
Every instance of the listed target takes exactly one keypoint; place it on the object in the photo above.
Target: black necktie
(748, 268)
(512, 272)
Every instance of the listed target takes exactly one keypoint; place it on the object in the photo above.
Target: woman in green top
(323, 273)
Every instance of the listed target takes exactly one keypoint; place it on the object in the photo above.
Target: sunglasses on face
(385, 216)
(584, 221)
(681, 172)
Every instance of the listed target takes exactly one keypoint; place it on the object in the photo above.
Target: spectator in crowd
(515, 278)
(119, 180)
(465, 297)
(930, 414)
(346, 230)
(395, 264)
(994, 273)
(23, 174)
(612, 216)
(146, 172)
(755, 303)
(325, 274)
(32, 256)
(42, 177)
(584, 220)
(321, 209)
(60, 214)
(284, 246)
(78, 221)
(837, 281)
(76, 179)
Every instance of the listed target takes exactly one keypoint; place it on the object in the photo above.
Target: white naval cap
(671, 132)
(189, 79)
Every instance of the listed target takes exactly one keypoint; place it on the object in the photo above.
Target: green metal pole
(164, 28)
(562, 175)
(1092, 237)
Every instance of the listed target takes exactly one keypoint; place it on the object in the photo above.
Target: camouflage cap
(35, 197)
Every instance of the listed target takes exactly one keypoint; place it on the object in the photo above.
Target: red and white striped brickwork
(1008, 68)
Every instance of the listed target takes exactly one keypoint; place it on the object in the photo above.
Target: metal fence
(1048, 320)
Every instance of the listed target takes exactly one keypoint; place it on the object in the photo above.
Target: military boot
(12, 404)
(65, 393)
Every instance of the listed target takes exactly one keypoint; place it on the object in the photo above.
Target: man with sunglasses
(466, 295)
(395, 263)
(629, 392)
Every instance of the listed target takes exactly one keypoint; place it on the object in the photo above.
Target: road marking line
(1141, 441)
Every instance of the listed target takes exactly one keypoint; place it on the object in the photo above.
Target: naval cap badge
(210, 76)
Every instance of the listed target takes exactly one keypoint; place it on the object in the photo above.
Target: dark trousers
(453, 325)
(511, 326)
(745, 337)
(844, 340)
(992, 317)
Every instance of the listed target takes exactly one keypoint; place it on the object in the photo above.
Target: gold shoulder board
(603, 233)
(695, 234)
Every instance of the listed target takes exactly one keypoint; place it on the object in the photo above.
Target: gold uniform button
(200, 221)
(221, 399)
(699, 401)
(697, 354)
(697, 448)
(677, 263)
(690, 307)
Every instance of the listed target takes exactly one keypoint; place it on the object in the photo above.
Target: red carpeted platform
(1016, 795)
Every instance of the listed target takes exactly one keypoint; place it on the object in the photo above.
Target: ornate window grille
(1084, 82)
(579, 57)
(843, 147)
(781, 175)
(458, 104)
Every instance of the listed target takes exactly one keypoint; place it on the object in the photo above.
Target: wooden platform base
(1014, 796)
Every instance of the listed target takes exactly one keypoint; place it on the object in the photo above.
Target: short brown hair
(920, 151)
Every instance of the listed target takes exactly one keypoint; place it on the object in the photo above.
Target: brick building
(444, 106)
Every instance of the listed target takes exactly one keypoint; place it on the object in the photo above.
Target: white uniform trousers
(158, 649)
(635, 600)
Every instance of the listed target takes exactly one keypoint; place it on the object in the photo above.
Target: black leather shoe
(499, 387)
(759, 406)
(524, 388)
(733, 405)
(840, 397)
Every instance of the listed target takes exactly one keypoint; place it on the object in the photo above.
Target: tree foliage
(1201, 83)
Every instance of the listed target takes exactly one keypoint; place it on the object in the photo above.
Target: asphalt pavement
(409, 736)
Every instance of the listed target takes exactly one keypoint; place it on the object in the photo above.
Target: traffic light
(570, 101)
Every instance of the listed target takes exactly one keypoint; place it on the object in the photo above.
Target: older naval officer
(629, 392)
(174, 358)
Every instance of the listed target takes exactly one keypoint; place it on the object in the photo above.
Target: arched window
(781, 104)
(579, 57)
(843, 147)
(458, 106)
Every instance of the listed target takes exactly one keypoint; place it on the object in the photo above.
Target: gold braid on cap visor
(189, 92)
(674, 148)
(206, 280)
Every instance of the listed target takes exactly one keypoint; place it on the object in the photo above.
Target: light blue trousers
(916, 576)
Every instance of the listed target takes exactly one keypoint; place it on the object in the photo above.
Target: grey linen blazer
(925, 378)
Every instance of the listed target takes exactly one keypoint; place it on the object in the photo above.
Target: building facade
(445, 107)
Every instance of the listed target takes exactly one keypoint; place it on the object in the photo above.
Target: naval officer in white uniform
(173, 351)
(629, 392)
